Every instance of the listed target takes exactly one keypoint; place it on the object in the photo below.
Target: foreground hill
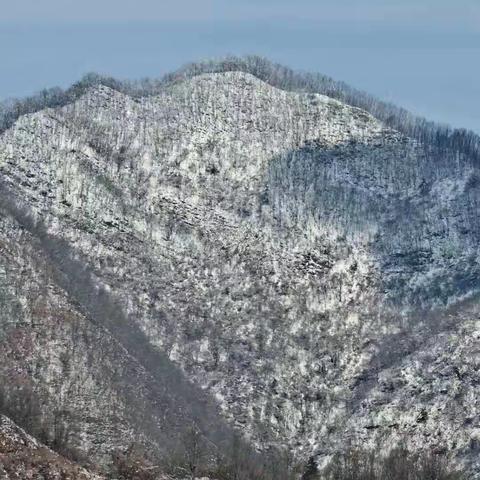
(24, 458)
(230, 253)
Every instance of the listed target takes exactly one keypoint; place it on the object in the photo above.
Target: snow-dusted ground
(281, 248)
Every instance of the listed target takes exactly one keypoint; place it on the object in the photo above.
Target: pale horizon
(421, 55)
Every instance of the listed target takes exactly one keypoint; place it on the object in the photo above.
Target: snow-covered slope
(305, 265)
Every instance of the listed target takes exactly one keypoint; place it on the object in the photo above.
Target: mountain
(229, 249)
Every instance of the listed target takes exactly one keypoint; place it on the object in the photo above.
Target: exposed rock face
(304, 264)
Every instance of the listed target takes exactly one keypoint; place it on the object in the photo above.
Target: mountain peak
(237, 254)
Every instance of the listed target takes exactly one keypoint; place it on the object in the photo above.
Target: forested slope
(310, 268)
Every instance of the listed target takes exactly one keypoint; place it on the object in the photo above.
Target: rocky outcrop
(300, 262)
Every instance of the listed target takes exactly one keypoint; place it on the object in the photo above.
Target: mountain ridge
(256, 237)
(273, 73)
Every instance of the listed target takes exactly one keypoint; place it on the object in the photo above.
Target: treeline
(193, 455)
(442, 137)
(399, 464)
(21, 404)
(12, 109)
(277, 75)
(238, 463)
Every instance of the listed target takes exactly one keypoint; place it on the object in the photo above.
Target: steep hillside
(308, 267)
(74, 369)
(24, 458)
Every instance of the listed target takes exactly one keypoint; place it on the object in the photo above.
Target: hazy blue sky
(421, 54)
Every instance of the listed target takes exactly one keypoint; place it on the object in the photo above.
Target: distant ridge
(428, 132)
